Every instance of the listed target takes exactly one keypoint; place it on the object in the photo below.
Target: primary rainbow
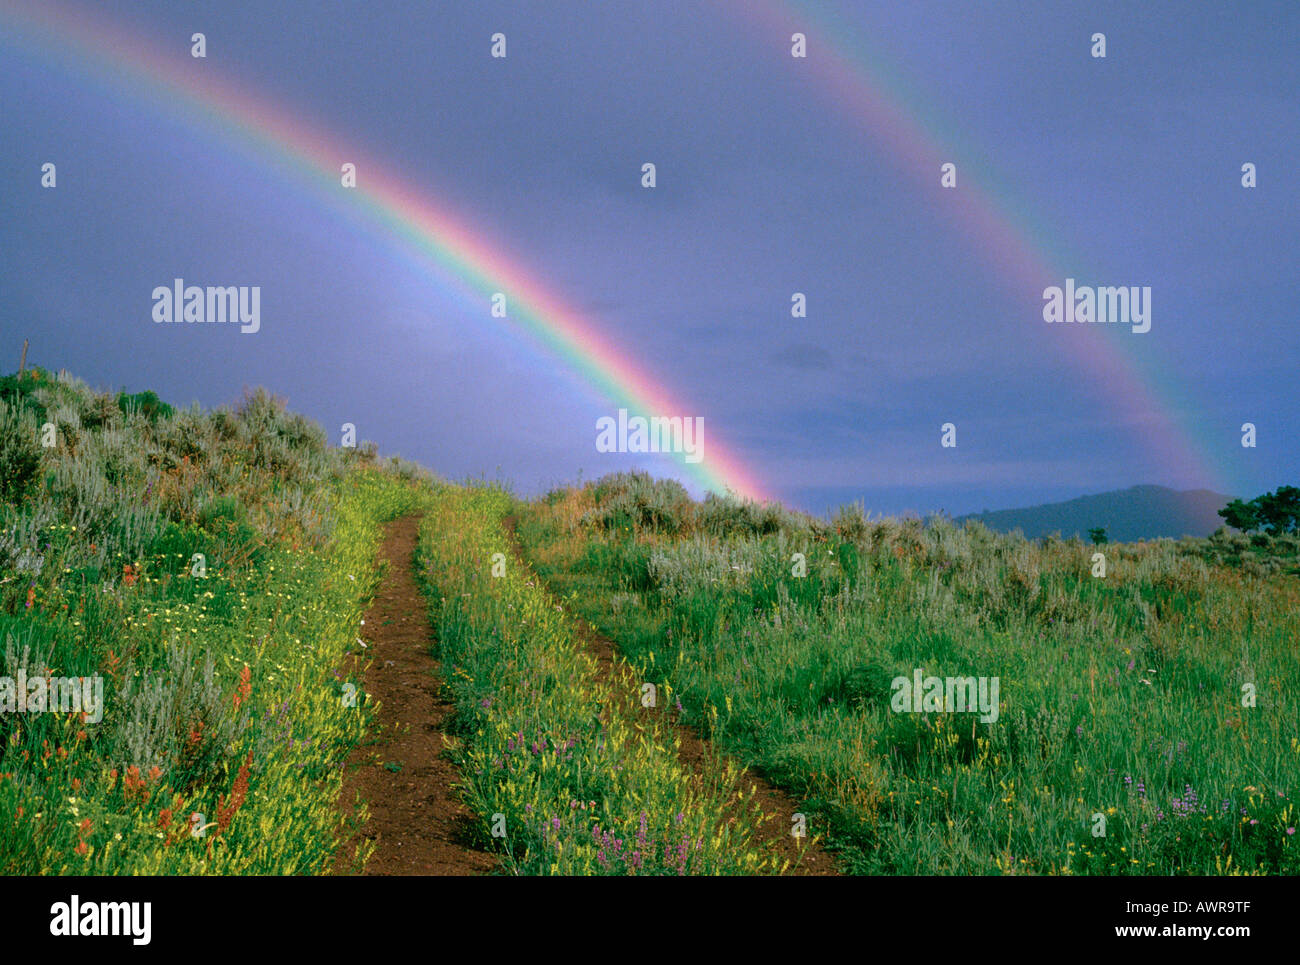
(426, 226)
(1024, 254)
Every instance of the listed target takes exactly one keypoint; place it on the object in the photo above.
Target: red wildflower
(132, 782)
(238, 793)
(245, 688)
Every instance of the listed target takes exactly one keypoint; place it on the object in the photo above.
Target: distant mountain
(1140, 512)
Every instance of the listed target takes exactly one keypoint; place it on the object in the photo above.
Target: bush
(17, 392)
(727, 515)
(850, 523)
(145, 403)
(636, 501)
(20, 455)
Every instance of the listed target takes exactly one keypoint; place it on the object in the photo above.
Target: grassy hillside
(1120, 695)
(205, 575)
(209, 571)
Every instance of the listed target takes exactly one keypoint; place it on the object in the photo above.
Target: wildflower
(245, 688)
(132, 782)
(238, 793)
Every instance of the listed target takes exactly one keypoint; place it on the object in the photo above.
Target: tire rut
(777, 806)
(417, 821)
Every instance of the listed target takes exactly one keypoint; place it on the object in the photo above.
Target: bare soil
(417, 820)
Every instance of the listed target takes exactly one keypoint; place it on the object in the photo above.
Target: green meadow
(1147, 718)
(211, 572)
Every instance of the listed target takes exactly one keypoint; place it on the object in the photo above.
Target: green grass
(561, 762)
(1120, 696)
(211, 571)
(221, 686)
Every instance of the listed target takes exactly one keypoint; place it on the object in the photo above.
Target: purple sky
(768, 184)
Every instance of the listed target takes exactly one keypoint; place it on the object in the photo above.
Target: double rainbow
(856, 82)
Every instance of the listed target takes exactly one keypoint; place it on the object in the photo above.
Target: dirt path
(777, 806)
(417, 822)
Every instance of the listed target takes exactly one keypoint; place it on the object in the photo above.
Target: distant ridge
(1139, 512)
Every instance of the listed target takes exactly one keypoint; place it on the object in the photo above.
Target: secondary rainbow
(462, 257)
(1024, 254)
